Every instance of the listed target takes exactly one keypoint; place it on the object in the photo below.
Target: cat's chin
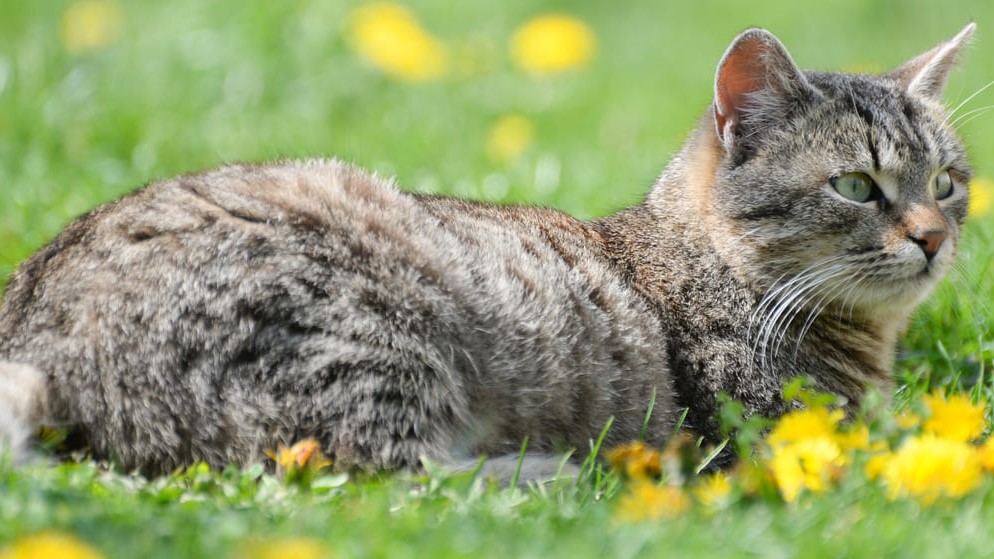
(900, 293)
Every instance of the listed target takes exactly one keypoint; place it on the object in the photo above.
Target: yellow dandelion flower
(986, 453)
(713, 491)
(648, 501)
(955, 417)
(808, 423)
(90, 25)
(46, 545)
(552, 43)
(875, 466)
(928, 467)
(305, 454)
(981, 193)
(754, 479)
(635, 460)
(391, 38)
(857, 437)
(289, 548)
(811, 464)
(509, 138)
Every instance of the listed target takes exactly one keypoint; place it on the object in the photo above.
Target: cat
(213, 316)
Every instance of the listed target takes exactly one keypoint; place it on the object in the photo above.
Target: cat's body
(260, 305)
(214, 316)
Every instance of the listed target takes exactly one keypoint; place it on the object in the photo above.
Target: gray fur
(214, 316)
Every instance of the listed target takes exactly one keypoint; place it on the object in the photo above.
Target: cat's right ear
(755, 86)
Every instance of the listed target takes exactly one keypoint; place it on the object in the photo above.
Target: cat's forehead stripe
(899, 134)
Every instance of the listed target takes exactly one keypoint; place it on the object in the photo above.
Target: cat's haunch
(214, 316)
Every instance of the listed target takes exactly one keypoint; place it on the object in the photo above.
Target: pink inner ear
(741, 73)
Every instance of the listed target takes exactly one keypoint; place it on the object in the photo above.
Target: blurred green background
(173, 87)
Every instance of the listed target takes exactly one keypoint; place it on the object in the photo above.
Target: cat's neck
(674, 239)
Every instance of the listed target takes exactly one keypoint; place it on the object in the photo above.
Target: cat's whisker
(975, 115)
(959, 276)
(849, 300)
(830, 297)
(782, 314)
(962, 103)
(771, 300)
(813, 291)
(748, 234)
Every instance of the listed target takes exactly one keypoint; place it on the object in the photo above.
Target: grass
(187, 85)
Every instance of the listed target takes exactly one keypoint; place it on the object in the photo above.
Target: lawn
(98, 98)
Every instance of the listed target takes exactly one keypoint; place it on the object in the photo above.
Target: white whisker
(783, 301)
(967, 100)
(979, 113)
(813, 291)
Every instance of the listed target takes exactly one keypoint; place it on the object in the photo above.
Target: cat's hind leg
(22, 407)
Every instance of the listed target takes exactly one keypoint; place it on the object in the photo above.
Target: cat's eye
(858, 187)
(942, 187)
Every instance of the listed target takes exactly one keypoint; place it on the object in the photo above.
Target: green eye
(857, 187)
(943, 186)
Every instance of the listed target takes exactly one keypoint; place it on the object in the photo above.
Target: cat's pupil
(943, 185)
(857, 187)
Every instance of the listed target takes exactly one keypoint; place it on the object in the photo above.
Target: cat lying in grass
(214, 316)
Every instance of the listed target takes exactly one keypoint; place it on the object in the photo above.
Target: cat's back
(260, 286)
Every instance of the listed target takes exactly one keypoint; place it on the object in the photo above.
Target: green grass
(188, 85)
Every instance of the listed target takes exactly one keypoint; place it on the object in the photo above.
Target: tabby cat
(217, 315)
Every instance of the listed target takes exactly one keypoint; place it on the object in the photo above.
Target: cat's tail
(22, 408)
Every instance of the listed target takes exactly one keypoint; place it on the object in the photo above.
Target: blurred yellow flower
(509, 138)
(981, 193)
(635, 460)
(648, 501)
(90, 25)
(305, 454)
(811, 464)
(955, 418)
(755, 478)
(928, 467)
(808, 423)
(49, 545)
(552, 43)
(876, 465)
(289, 548)
(390, 37)
(857, 437)
(986, 453)
(713, 490)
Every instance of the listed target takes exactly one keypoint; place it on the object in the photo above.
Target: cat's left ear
(926, 73)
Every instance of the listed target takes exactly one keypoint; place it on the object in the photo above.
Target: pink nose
(930, 241)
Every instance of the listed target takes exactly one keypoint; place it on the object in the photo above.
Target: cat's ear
(756, 84)
(926, 73)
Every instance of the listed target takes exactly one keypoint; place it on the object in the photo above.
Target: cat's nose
(930, 241)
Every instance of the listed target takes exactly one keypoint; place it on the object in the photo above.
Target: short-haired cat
(213, 316)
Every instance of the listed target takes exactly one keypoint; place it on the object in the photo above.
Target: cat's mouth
(904, 287)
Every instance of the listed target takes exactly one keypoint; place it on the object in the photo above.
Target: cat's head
(845, 188)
